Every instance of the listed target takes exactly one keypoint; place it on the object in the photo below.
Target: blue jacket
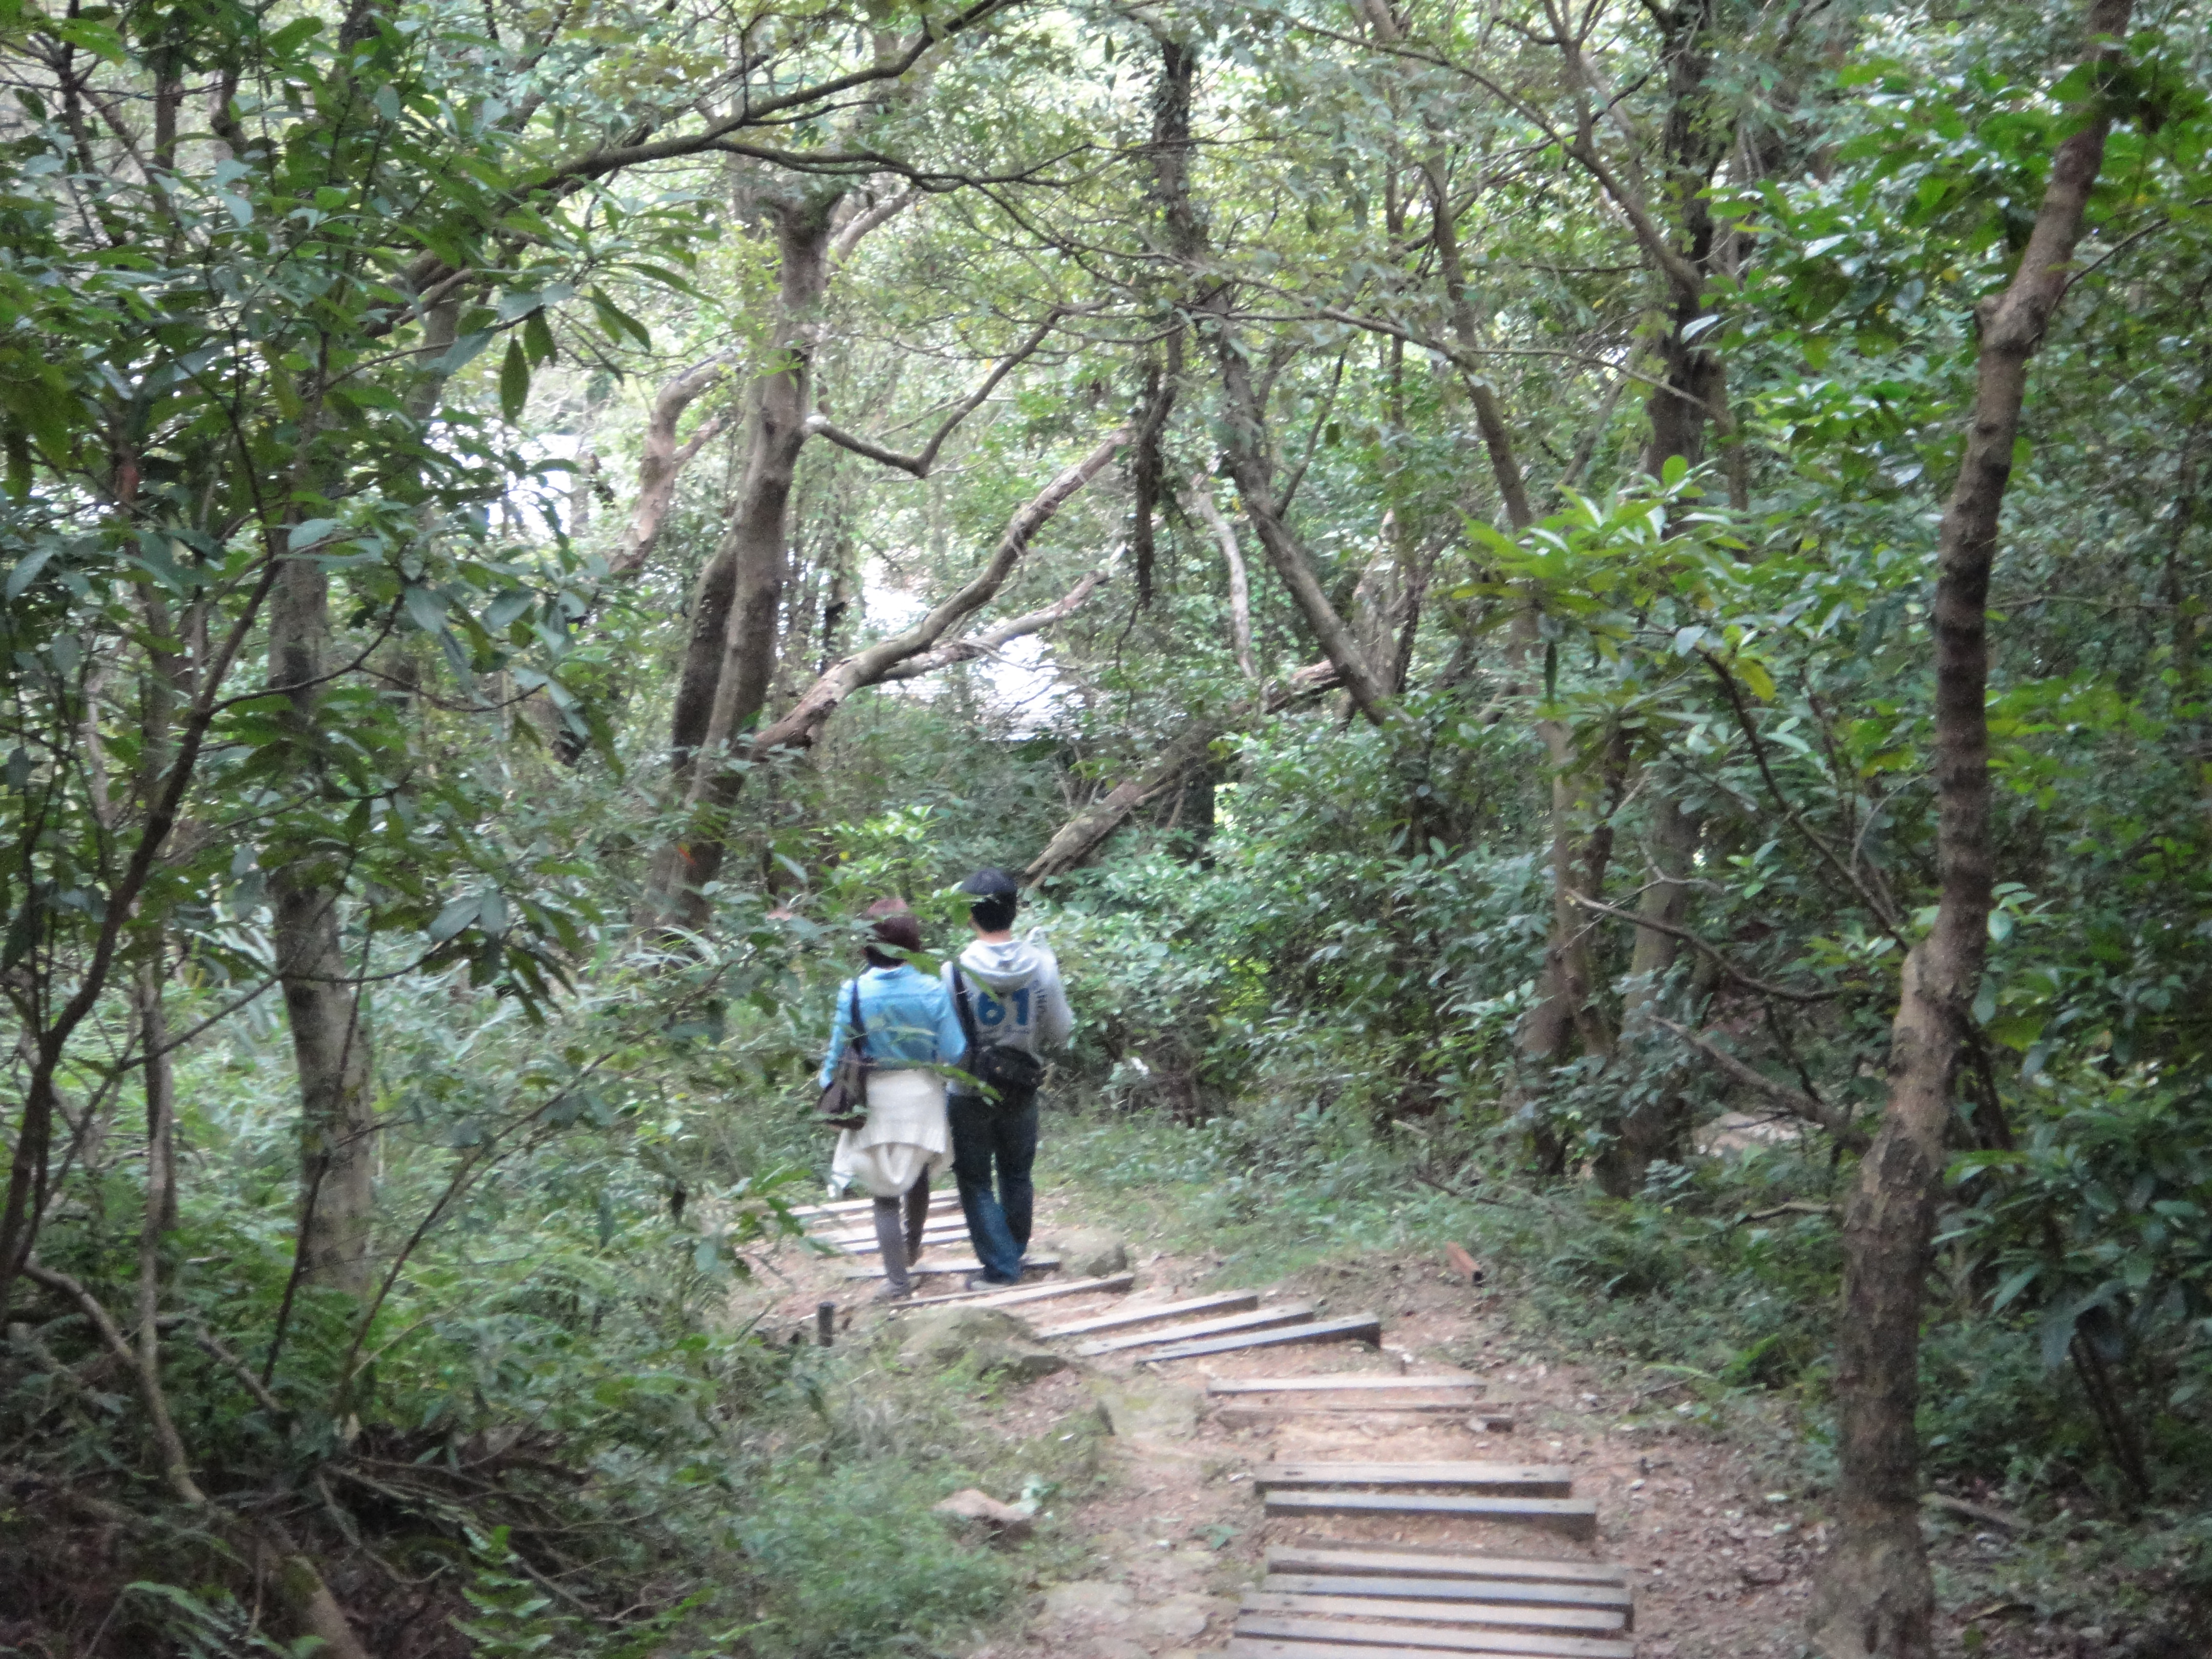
(909, 1018)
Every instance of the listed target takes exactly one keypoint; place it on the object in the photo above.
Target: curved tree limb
(663, 457)
(1240, 585)
(919, 463)
(988, 641)
(1083, 833)
(1833, 1119)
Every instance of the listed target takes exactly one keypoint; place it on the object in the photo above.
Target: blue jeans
(998, 1222)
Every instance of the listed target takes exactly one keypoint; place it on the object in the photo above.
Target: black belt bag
(1010, 1076)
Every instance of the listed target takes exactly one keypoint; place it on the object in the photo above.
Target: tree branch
(988, 641)
(1836, 1122)
(1709, 951)
(919, 463)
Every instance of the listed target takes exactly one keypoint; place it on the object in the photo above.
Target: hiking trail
(1361, 1462)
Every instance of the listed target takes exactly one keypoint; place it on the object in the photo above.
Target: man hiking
(1007, 994)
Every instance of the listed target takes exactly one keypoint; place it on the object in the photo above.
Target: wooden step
(1439, 1563)
(1259, 1319)
(1496, 1615)
(1576, 1516)
(946, 1215)
(1617, 1597)
(852, 1206)
(938, 1236)
(1008, 1296)
(966, 1264)
(1266, 1637)
(1305, 1385)
(1132, 1315)
(1353, 1327)
(1533, 1479)
(1366, 1411)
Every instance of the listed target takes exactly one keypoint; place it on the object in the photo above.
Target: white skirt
(905, 1138)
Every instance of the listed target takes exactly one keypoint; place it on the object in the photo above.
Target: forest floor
(1170, 1530)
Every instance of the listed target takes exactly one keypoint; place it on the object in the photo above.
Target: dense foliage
(1416, 528)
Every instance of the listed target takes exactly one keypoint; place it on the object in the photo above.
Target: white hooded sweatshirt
(1014, 989)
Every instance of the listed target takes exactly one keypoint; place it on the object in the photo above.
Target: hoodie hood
(1003, 967)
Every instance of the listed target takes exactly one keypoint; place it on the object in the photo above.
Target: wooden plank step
(937, 1221)
(1617, 1597)
(1008, 1296)
(966, 1264)
(938, 1236)
(852, 1206)
(1263, 1638)
(1259, 1319)
(1583, 1621)
(1353, 1327)
(1297, 1384)
(1576, 1516)
(1143, 1313)
(1534, 1479)
(1482, 1422)
(1441, 1563)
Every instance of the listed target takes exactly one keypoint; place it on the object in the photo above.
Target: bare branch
(987, 642)
(1835, 1120)
(919, 463)
(867, 220)
(1240, 587)
(1711, 953)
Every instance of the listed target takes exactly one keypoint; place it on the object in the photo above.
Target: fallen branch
(1837, 1122)
(1081, 835)
(1972, 1512)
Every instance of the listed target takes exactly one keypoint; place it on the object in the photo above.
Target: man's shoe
(985, 1282)
(892, 1293)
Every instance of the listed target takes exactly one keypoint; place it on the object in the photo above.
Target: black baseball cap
(990, 881)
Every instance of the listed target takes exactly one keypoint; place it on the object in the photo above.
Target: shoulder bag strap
(965, 1010)
(860, 1037)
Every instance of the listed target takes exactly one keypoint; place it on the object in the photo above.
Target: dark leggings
(901, 1245)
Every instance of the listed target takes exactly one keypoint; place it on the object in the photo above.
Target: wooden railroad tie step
(1260, 1638)
(1143, 1313)
(966, 1264)
(1224, 1385)
(845, 1208)
(1009, 1296)
(1617, 1598)
(956, 1234)
(1531, 1479)
(1445, 1562)
(1493, 1615)
(1576, 1516)
(1353, 1327)
(1259, 1319)
(1425, 1411)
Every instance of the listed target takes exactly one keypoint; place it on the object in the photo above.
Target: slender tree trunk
(1875, 1595)
(1240, 585)
(323, 1000)
(731, 656)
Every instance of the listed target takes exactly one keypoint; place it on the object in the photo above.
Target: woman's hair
(894, 926)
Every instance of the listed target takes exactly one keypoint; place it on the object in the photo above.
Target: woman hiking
(910, 1034)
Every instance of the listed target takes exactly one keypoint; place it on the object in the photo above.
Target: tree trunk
(1083, 833)
(1244, 415)
(1654, 1126)
(1875, 1595)
(730, 658)
(323, 1000)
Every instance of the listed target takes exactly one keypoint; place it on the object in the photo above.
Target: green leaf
(457, 914)
(301, 537)
(27, 570)
(514, 381)
(537, 337)
(426, 608)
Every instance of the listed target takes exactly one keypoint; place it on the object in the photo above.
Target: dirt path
(1719, 1565)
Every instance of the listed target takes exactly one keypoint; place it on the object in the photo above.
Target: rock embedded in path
(1138, 1409)
(1089, 1601)
(1091, 1252)
(992, 1340)
(972, 1510)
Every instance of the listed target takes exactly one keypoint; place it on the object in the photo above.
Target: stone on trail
(1089, 1252)
(978, 1511)
(994, 1341)
(1089, 1601)
(1138, 1409)
(1181, 1617)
